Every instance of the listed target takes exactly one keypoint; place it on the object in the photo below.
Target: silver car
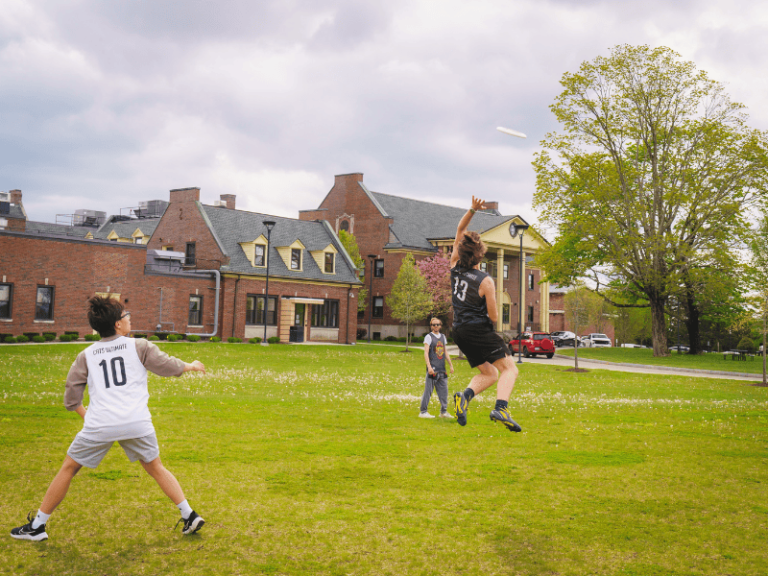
(596, 340)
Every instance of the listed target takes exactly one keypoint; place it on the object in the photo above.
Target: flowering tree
(437, 272)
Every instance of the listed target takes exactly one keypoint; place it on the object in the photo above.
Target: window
(44, 303)
(195, 311)
(3, 223)
(137, 240)
(530, 313)
(378, 307)
(168, 248)
(326, 315)
(258, 258)
(484, 266)
(295, 258)
(344, 225)
(254, 310)
(530, 282)
(506, 271)
(378, 270)
(329, 262)
(6, 300)
(505, 313)
(190, 254)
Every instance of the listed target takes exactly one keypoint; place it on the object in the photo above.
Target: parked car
(596, 340)
(533, 344)
(628, 345)
(682, 348)
(560, 336)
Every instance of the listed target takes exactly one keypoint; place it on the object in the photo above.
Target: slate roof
(15, 211)
(126, 228)
(48, 229)
(416, 222)
(234, 226)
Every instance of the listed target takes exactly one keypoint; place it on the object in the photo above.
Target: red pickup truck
(533, 343)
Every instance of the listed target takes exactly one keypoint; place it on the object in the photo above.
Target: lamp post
(370, 305)
(519, 229)
(268, 224)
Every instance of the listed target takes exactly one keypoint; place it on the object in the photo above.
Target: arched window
(344, 225)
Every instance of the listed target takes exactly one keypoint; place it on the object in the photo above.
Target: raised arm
(488, 291)
(477, 204)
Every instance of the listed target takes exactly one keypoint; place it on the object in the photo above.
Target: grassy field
(713, 361)
(311, 460)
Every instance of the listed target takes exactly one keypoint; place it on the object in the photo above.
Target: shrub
(139, 335)
(66, 338)
(233, 340)
(4, 336)
(39, 339)
(215, 339)
(154, 338)
(21, 339)
(161, 335)
(92, 337)
(193, 338)
(75, 334)
(417, 340)
(391, 339)
(361, 333)
(402, 339)
(10, 340)
(175, 337)
(449, 339)
(273, 340)
(747, 344)
(31, 335)
(49, 336)
(256, 340)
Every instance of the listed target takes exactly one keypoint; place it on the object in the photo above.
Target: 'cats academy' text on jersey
(117, 386)
(468, 306)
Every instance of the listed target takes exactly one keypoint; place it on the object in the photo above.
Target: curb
(669, 368)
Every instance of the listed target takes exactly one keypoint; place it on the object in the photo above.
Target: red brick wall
(564, 321)
(182, 223)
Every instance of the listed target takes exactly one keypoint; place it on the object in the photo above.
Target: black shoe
(460, 403)
(191, 524)
(505, 418)
(26, 532)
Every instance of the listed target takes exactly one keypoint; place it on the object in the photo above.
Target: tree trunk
(658, 326)
(692, 321)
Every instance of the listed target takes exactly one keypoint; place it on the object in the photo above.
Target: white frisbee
(511, 132)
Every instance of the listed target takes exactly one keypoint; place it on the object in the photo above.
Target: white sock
(185, 509)
(40, 519)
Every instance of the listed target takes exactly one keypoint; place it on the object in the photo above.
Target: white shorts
(90, 453)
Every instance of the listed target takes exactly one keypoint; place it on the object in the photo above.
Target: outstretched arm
(477, 204)
(195, 366)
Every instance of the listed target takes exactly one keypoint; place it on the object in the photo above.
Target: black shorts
(479, 344)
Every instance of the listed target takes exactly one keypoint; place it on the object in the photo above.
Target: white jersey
(117, 386)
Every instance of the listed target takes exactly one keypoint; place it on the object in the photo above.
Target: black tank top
(468, 306)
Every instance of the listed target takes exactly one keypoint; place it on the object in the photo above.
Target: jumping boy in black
(474, 316)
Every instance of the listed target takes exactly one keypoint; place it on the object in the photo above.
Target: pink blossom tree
(437, 272)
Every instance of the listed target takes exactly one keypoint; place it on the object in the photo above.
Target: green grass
(311, 460)
(712, 361)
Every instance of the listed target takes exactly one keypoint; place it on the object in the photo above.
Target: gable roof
(234, 226)
(416, 221)
(126, 228)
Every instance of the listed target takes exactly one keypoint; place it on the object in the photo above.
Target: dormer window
(295, 258)
(330, 260)
(258, 259)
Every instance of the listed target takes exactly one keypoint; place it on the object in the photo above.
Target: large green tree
(655, 167)
(758, 244)
(410, 299)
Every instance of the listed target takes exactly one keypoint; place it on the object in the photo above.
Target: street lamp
(370, 305)
(268, 224)
(514, 230)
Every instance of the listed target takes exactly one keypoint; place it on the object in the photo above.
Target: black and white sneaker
(26, 532)
(191, 524)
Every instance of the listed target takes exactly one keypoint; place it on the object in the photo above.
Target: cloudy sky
(104, 103)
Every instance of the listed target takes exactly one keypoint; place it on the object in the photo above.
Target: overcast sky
(104, 103)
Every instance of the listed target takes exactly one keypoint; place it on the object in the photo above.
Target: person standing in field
(435, 355)
(474, 317)
(115, 371)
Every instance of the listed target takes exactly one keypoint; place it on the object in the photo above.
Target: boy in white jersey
(115, 371)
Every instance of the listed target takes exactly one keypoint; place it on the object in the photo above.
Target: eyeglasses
(126, 314)
(435, 324)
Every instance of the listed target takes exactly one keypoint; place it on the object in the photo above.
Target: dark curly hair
(103, 313)
(471, 250)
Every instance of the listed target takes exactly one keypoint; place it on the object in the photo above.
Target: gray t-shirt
(436, 351)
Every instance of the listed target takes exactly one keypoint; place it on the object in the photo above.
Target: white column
(523, 286)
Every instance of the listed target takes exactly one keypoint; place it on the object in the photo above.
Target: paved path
(560, 360)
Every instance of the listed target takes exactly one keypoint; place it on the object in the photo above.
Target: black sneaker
(26, 532)
(460, 402)
(191, 524)
(505, 418)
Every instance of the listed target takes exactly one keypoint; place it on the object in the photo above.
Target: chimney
(492, 206)
(15, 196)
(348, 179)
(228, 200)
(185, 195)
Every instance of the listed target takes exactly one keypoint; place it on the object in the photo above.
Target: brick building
(203, 271)
(391, 226)
(560, 319)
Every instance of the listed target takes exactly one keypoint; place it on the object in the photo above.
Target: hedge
(92, 337)
(39, 339)
(215, 339)
(193, 338)
(273, 340)
(256, 340)
(154, 338)
(21, 339)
